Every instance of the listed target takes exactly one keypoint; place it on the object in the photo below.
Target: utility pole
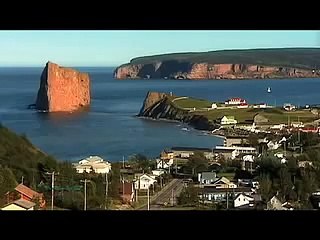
(107, 185)
(85, 193)
(176, 166)
(52, 186)
(172, 198)
(22, 179)
(227, 199)
(148, 199)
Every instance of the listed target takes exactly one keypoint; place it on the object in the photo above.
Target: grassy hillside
(307, 58)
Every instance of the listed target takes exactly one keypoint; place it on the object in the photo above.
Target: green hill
(305, 58)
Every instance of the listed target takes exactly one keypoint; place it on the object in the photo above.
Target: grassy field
(275, 116)
(284, 116)
(240, 114)
(193, 103)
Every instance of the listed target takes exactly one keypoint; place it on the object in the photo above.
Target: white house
(248, 158)
(228, 120)
(272, 145)
(243, 199)
(144, 181)
(158, 172)
(20, 204)
(164, 163)
(214, 106)
(95, 163)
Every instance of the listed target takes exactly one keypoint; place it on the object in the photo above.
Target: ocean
(110, 129)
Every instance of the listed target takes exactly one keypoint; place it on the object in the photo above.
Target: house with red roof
(235, 101)
(26, 193)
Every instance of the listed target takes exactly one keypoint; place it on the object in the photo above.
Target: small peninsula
(234, 113)
(226, 64)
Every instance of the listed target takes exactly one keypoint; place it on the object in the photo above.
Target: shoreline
(215, 79)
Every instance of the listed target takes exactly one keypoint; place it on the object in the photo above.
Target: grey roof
(209, 176)
(24, 203)
(230, 190)
(257, 197)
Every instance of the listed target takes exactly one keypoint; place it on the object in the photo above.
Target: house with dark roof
(212, 194)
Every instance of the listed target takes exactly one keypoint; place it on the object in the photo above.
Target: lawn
(193, 103)
(241, 115)
(284, 116)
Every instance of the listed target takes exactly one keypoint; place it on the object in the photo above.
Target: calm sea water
(110, 129)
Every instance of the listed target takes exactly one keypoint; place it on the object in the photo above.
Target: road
(165, 196)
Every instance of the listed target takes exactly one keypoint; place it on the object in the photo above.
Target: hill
(251, 63)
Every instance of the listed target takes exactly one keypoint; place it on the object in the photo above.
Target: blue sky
(111, 48)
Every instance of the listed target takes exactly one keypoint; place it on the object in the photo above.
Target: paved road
(174, 190)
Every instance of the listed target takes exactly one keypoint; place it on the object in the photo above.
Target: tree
(286, 185)
(197, 163)
(253, 140)
(265, 186)
(140, 162)
(7, 180)
(189, 196)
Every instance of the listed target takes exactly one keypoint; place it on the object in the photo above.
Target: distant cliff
(228, 64)
(62, 89)
(159, 106)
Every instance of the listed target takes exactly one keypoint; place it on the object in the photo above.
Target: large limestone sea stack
(62, 89)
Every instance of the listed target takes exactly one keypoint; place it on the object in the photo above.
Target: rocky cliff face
(159, 106)
(62, 89)
(186, 70)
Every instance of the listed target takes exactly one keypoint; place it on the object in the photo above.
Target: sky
(112, 48)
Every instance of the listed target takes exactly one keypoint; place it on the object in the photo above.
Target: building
(275, 204)
(289, 107)
(243, 199)
(243, 105)
(26, 193)
(226, 120)
(214, 106)
(93, 163)
(126, 191)
(20, 204)
(207, 177)
(235, 151)
(186, 152)
(220, 182)
(158, 172)
(211, 194)
(144, 181)
(230, 141)
(164, 163)
(235, 101)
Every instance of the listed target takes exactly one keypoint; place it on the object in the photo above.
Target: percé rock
(62, 89)
(159, 106)
(226, 64)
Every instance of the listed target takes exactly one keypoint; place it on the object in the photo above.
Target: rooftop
(190, 149)
(27, 191)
